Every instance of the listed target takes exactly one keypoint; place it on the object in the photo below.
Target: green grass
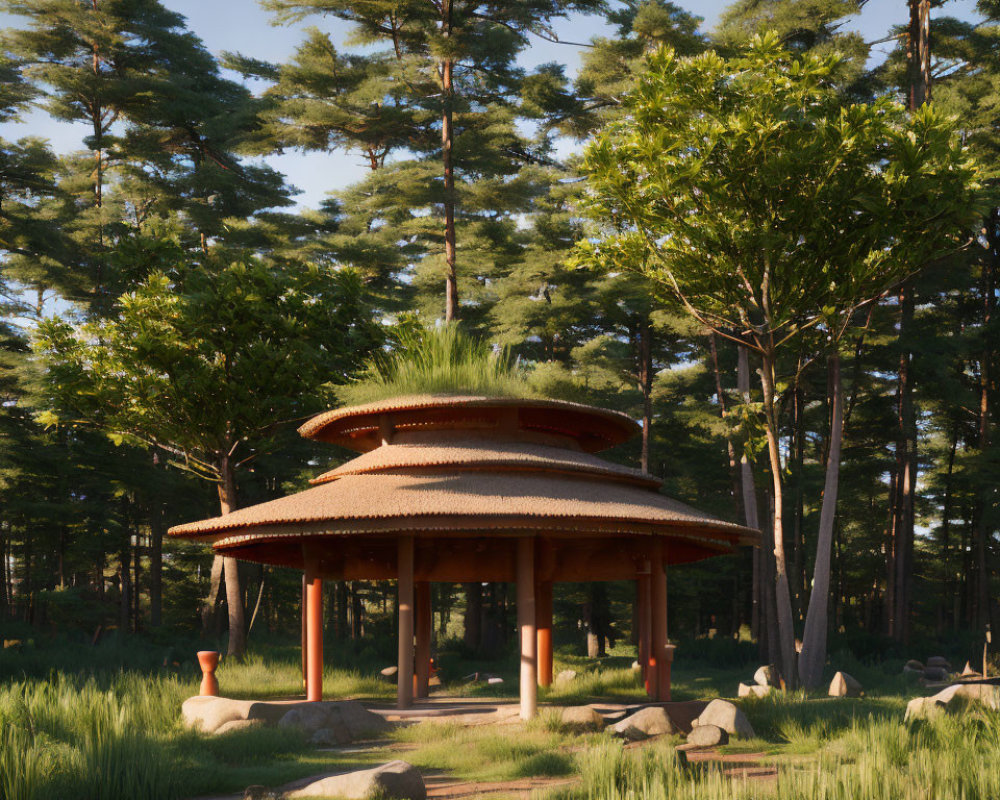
(112, 734)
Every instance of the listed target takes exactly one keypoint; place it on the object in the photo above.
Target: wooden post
(314, 637)
(643, 620)
(658, 592)
(305, 643)
(404, 674)
(526, 625)
(543, 623)
(423, 624)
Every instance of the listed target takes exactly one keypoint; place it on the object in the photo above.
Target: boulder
(581, 719)
(727, 716)
(646, 722)
(913, 665)
(766, 676)
(843, 685)
(208, 714)
(397, 780)
(707, 736)
(388, 674)
(346, 720)
(238, 725)
(565, 676)
(329, 737)
(308, 718)
(636, 666)
(752, 690)
(939, 661)
(935, 674)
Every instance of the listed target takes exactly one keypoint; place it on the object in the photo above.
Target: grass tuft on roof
(438, 361)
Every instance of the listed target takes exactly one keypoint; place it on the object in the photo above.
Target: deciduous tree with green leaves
(207, 363)
(772, 212)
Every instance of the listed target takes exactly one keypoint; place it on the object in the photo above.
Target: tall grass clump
(442, 360)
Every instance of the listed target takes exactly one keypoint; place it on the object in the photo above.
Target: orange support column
(314, 637)
(658, 592)
(422, 597)
(643, 621)
(305, 643)
(543, 625)
(404, 674)
(526, 625)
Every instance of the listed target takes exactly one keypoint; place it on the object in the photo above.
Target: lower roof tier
(476, 504)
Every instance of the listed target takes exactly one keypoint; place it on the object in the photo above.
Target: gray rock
(329, 737)
(308, 718)
(238, 725)
(954, 699)
(581, 719)
(211, 714)
(843, 685)
(939, 661)
(752, 690)
(208, 714)
(636, 666)
(727, 716)
(935, 674)
(646, 722)
(913, 665)
(766, 676)
(707, 736)
(397, 780)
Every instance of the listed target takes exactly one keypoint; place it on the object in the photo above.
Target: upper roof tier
(363, 428)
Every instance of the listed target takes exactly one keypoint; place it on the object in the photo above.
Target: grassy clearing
(116, 735)
(487, 753)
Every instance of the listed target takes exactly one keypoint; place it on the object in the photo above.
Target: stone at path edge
(649, 721)
(727, 716)
(707, 736)
(397, 779)
(209, 714)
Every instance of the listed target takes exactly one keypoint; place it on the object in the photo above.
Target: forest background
(230, 313)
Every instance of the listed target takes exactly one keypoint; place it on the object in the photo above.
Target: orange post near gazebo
(468, 489)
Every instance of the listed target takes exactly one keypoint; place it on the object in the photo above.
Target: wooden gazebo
(470, 489)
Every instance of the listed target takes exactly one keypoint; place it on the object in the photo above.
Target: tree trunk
(763, 611)
(473, 635)
(982, 531)
(798, 500)
(783, 600)
(156, 566)
(234, 593)
(646, 386)
(734, 467)
(447, 144)
(906, 461)
(918, 54)
(813, 655)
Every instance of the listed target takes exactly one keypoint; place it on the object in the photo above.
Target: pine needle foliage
(438, 361)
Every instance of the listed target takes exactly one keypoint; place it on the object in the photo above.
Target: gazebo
(476, 489)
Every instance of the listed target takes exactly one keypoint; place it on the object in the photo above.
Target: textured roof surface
(480, 454)
(528, 496)
(595, 428)
(475, 468)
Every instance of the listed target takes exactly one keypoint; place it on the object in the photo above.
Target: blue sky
(241, 25)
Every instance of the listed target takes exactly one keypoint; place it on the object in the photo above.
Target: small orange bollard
(208, 660)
